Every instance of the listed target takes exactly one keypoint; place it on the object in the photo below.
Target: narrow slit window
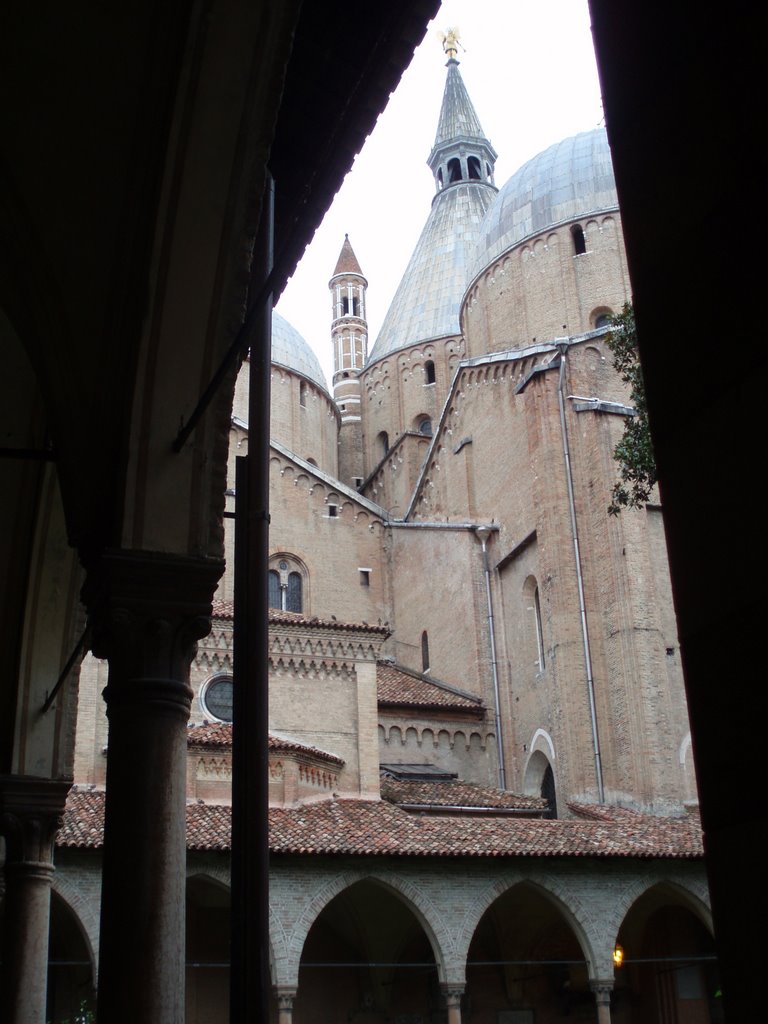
(539, 636)
(424, 652)
(579, 241)
(429, 372)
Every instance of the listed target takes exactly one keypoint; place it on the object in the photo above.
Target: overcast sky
(529, 68)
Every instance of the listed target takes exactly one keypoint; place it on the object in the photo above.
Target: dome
(290, 350)
(570, 180)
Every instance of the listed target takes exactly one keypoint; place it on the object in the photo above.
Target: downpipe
(482, 534)
(579, 578)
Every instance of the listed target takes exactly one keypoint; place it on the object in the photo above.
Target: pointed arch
(425, 912)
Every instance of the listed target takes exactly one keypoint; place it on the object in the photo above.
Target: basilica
(483, 805)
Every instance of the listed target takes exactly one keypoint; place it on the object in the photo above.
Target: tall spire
(461, 151)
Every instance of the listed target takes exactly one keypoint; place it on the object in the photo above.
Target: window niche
(287, 580)
(579, 241)
(425, 652)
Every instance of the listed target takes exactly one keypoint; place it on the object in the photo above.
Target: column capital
(31, 809)
(452, 994)
(147, 610)
(602, 988)
(285, 998)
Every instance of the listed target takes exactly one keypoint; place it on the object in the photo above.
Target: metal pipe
(249, 981)
(482, 535)
(579, 577)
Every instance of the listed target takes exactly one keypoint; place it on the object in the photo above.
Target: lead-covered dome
(570, 180)
(290, 350)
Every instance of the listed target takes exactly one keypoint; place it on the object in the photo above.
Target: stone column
(30, 813)
(285, 998)
(452, 997)
(602, 987)
(147, 613)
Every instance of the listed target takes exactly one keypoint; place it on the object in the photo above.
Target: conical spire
(461, 151)
(347, 261)
(457, 114)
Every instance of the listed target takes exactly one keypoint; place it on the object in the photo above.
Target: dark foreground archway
(525, 964)
(367, 960)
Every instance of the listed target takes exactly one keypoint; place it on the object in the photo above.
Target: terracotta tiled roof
(219, 734)
(279, 618)
(210, 734)
(400, 687)
(377, 828)
(225, 610)
(453, 793)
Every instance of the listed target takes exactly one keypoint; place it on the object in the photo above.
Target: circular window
(217, 699)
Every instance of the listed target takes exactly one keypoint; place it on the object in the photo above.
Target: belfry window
(454, 170)
(473, 167)
(579, 241)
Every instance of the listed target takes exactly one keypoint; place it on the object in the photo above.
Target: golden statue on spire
(450, 41)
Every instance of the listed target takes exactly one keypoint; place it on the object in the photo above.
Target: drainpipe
(579, 577)
(483, 533)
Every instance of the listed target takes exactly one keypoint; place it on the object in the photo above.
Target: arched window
(579, 241)
(429, 372)
(473, 167)
(424, 652)
(454, 170)
(602, 320)
(425, 426)
(275, 600)
(548, 792)
(383, 443)
(286, 585)
(302, 393)
(293, 595)
(534, 640)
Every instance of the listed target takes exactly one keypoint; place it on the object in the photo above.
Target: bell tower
(349, 335)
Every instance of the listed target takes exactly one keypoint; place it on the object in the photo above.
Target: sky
(529, 68)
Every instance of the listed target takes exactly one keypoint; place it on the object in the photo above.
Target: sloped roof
(219, 734)
(225, 610)
(454, 793)
(401, 687)
(378, 828)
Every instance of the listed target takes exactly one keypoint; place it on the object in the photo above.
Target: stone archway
(208, 950)
(71, 975)
(669, 974)
(367, 959)
(525, 963)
